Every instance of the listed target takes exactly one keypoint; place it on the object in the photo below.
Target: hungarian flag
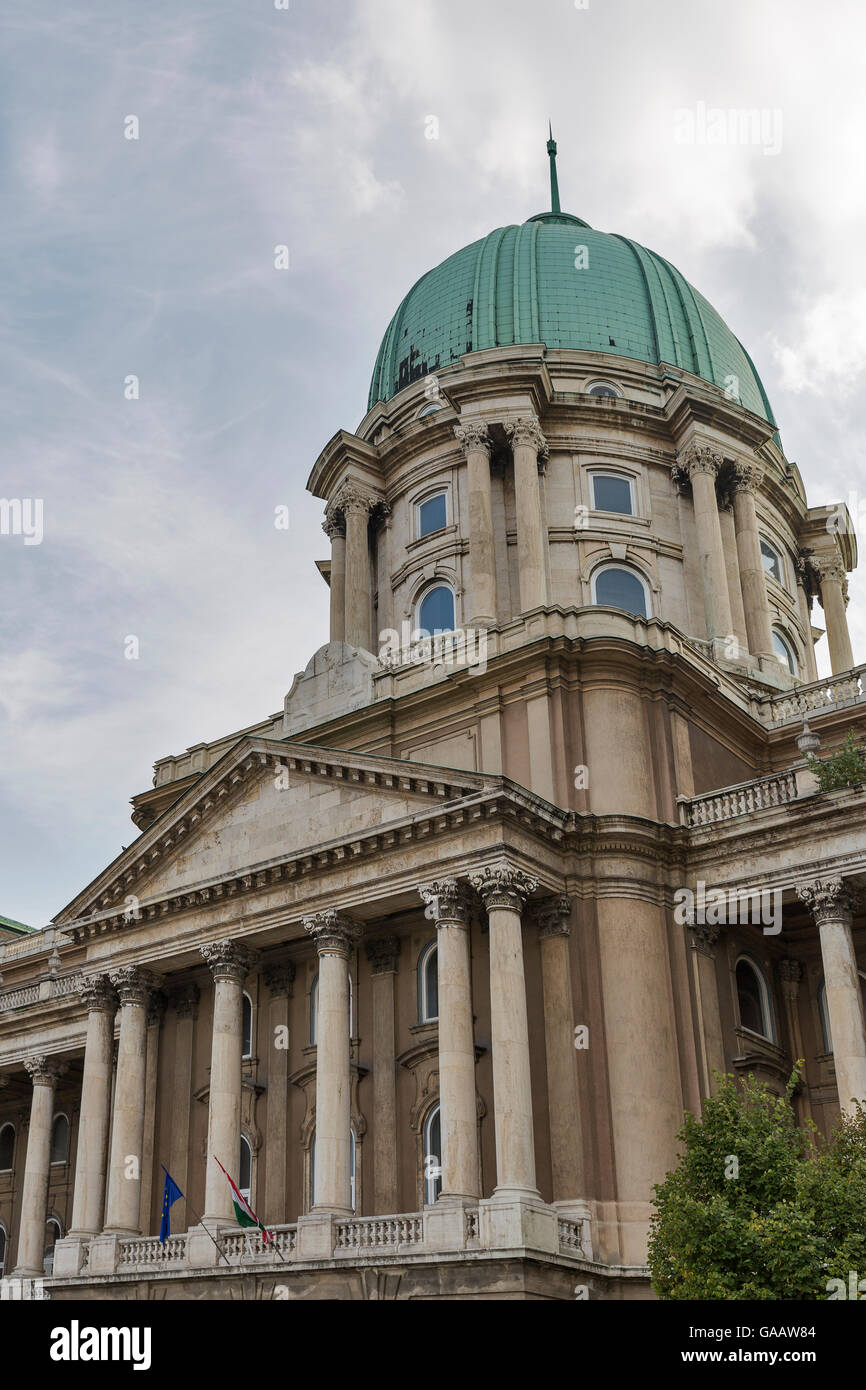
(243, 1211)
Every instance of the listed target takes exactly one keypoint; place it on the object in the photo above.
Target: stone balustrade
(836, 692)
(739, 800)
(54, 987)
(357, 1240)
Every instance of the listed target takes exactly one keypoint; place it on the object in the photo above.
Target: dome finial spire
(554, 183)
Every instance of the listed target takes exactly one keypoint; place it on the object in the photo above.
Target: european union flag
(169, 1196)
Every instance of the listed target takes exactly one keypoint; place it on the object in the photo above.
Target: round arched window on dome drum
(604, 388)
(436, 611)
(785, 652)
(616, 586)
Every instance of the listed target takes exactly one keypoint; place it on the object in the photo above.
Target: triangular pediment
(266, 800)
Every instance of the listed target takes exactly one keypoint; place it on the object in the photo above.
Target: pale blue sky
(155, 257)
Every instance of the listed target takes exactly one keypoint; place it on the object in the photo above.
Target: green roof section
(7, 924)
(525, 284)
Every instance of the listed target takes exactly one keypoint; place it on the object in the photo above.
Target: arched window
(59, 1139)
(428, 410)
(612, 492)
(428, 983)
(772, 561)
(247, 1025)
(825, 1013)
(52, 1235)
(603, 388)
(614, 586)
(433, 1155)
(2, 1251)
(7, 1147)
(436, 611)
(785, 652)
(753, 999)
(245, 1174)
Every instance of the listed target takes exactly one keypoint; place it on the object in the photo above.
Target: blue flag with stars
(169, 1196)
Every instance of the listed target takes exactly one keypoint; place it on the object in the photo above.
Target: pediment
(267, 800)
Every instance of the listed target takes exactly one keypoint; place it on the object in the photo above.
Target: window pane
(771, 561)
(7, 1145)
(246, 1173)
(784, 653)
(432, 973)
(59, 1139)
(437, 611)
(432, 515)
(247, 1026)
(750, 1001)
(611, 494)
(621, 589)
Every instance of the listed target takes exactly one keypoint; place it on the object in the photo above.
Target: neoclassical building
(407, 956)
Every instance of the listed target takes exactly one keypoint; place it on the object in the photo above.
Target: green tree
(844, 768)
(758, 1207)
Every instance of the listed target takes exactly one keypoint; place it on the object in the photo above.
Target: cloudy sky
(305, 127)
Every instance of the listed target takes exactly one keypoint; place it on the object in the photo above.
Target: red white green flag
(244, 1213)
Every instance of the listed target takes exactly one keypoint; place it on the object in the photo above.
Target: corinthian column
(504, 890)
(123, 1209)
(382, 953)
(356, 506)
(566, 1140)
(229, 964)
(476, 445)
(529, 445)
(335, 937)
(747, 480)
(90, 1160)
(701, 466)
(448, 907)
(831, 904)
(44, 1073)
(334, 526)
(831, 576)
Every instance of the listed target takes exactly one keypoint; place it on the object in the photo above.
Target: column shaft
(756, 604)
(334, 936)
(338, 584)
(527, 444)
(831, 573)
(702, 468)
(811, 672)
(122, 1214)
(482, 564)
(229, 964)
(88, 1203)
(34, 1198)
(358, 602)
(279, 981)
(186, 1010)
(732, 566)
(831, 903)
(566, 1139)
(504, 890)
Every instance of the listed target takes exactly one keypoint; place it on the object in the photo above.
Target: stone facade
(251, 982)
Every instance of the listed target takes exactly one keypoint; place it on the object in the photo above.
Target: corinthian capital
(354, 498)
(697, 458)
(447, 902)
(134, 985)
(228, 960)
(333, 933)
(828, 899)
(828, 567)
(553, 916)
(503, 885)
(746, 476)
(44, 1071)
(98, 994)
(525, 433)
(473, 435)
(334, 523)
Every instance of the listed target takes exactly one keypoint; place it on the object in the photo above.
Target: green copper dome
(520, 285)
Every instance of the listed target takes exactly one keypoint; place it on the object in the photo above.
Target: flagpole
(260, 1224)
(191, 1208)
